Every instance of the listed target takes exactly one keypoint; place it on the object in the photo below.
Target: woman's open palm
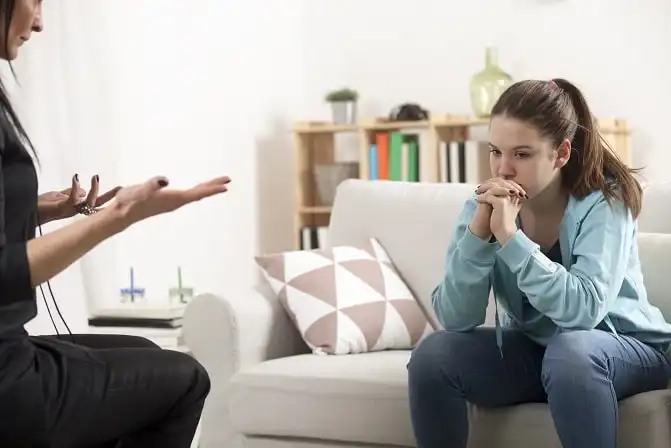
(151, 198)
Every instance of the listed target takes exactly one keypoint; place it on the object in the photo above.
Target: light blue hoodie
(598, 285)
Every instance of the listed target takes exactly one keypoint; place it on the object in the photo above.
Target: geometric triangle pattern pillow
(346, 299)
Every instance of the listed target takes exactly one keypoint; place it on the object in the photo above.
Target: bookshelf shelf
(321, 127)
(315, 210)
(440, 149)
(381, 125)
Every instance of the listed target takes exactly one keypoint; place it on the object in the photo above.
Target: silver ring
(85, 209)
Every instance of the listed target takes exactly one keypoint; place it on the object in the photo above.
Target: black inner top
(554, 254)
(18, 219)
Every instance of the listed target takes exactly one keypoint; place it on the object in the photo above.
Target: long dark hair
(11, 128)
(558, 110)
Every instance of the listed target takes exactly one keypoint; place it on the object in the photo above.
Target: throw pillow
(346, 299)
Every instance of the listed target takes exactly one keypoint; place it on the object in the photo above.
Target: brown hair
(559, 111)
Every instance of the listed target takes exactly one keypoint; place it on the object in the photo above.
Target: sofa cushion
(353, 398)
(363, 399)
(346, 299)
(643, 422)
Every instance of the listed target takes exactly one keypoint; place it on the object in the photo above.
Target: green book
(395, 156)
(413, 158)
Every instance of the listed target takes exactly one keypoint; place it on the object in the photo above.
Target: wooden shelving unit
(314, 144)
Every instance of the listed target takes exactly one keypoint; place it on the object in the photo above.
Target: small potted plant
(343, 105)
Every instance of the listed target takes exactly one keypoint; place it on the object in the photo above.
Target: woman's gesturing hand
(55, 205)
(151, 198)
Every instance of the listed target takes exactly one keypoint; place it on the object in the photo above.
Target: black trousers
(118, 391)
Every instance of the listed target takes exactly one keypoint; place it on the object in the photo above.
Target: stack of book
(160, 324)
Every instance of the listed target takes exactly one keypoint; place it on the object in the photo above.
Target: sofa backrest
(655, 214)
(654, 250)
(654, 244)
(412, 221)
(415, 221)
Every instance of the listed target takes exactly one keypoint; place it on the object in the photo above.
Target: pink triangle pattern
(346, 299)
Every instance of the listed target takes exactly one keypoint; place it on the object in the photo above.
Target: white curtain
(132, 88)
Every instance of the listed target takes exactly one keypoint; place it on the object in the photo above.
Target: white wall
(425, 51)
(199, 90)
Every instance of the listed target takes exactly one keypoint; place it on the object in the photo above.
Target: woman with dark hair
(91, 390)
(553, 235)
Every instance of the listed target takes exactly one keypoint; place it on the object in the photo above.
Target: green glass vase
(488, 85)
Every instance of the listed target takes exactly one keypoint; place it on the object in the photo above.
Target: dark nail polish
(76, 177)
(163, 183)
(97, 178)
(512, 191)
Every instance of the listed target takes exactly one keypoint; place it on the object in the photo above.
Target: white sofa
(268, 391)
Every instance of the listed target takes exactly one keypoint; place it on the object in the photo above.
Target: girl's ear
(563, 153)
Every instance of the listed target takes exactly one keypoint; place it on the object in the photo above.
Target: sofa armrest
(227, 334)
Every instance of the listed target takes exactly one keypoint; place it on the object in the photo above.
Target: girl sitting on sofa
(553, 235)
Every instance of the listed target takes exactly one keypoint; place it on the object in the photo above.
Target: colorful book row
(395, 156)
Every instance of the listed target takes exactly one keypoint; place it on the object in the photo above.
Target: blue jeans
(581, 374)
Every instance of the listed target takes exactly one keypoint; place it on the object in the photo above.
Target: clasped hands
(499, 203)
(133, 203)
